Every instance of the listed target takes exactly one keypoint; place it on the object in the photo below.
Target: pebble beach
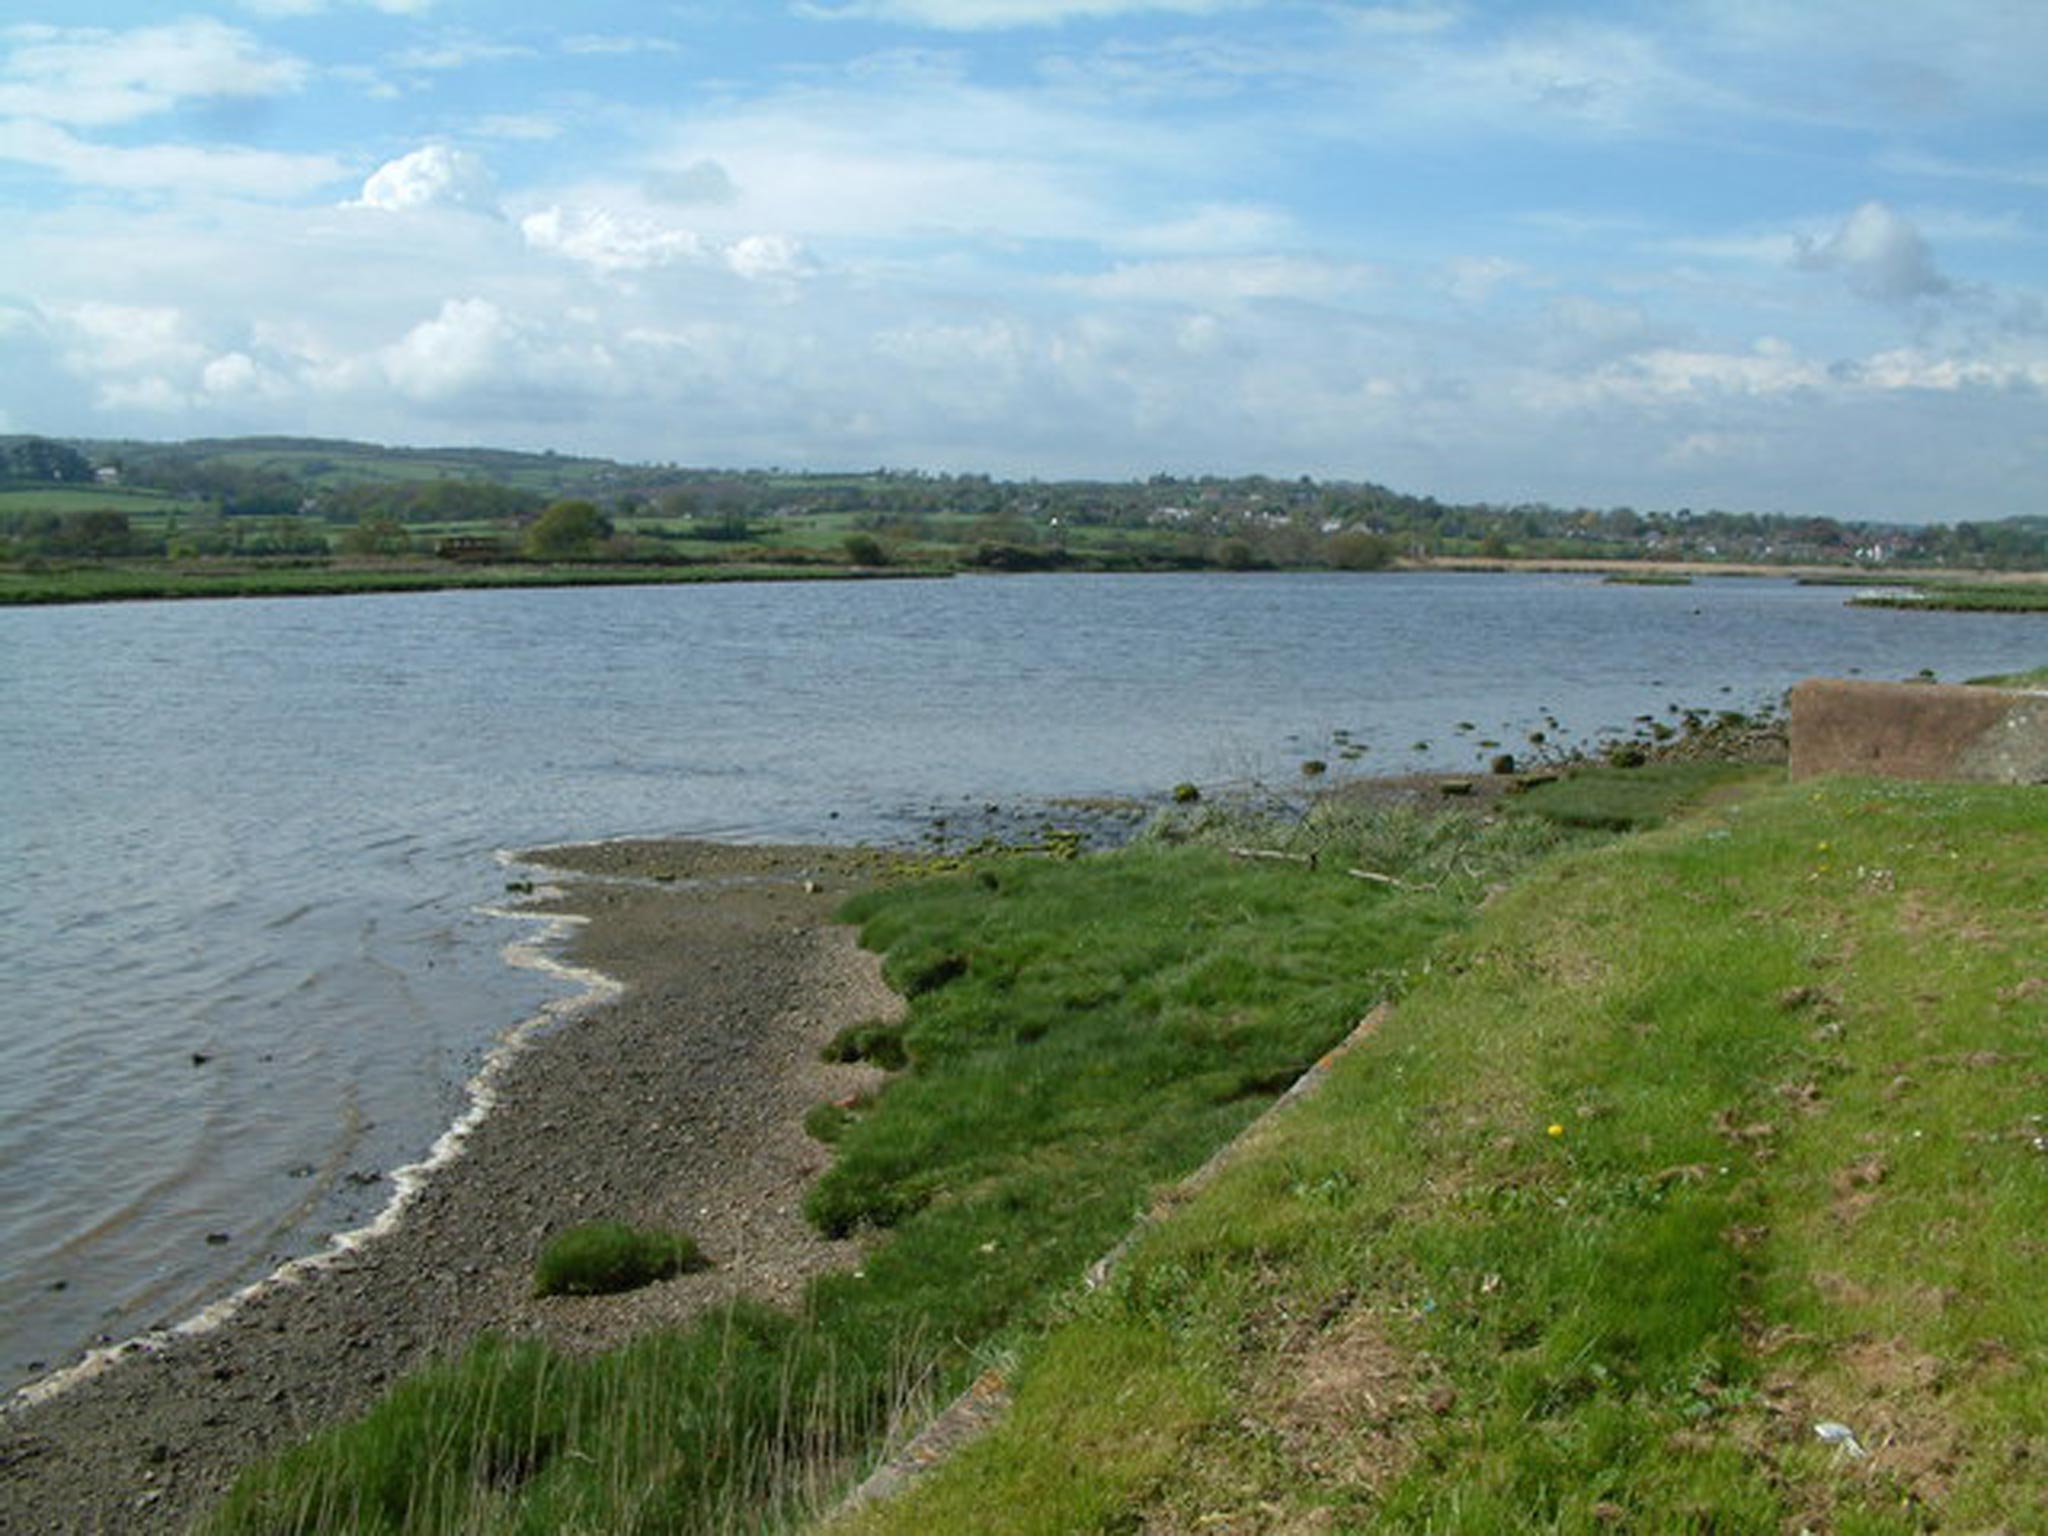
(675, 1099)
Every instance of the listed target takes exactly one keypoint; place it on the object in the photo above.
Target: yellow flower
(1557, 1130)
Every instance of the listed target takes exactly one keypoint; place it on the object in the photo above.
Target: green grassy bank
(1959, 597)
(1693, 1144)
(1080, 1032)
(1682, 1145)
(122, 583)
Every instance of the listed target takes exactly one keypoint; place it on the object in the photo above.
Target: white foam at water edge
(532, 953)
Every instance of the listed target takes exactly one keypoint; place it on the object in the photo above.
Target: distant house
(107, 474)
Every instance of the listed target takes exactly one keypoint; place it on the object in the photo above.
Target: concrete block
(1919, 731)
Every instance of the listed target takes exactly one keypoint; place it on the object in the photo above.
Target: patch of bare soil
(1341, 1401)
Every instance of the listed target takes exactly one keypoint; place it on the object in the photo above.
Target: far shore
(158, 581)
(679, 1104)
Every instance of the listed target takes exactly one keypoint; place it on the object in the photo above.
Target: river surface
(249, 846)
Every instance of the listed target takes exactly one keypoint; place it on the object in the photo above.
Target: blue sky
(1767, 256)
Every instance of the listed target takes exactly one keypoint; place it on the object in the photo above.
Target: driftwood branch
(1274, 853)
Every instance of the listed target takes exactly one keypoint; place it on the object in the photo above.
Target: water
(248, 845)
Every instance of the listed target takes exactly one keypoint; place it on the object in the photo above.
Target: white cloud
(470, 342)
(611, 44)
(1213, 227)
(759, 257)
(129, 338)
(701, 181)
(167, 168)
(520, 127)
(2032, 174)
(1473, 280)
(149, 392)
(1231, 280)
(990, 15)
(316, 7)
(236, 376)
(1911, 368)
(458, 53)
(608, 241)
(1880, 254)
(434, 177)
(91, 77)
(475, 356)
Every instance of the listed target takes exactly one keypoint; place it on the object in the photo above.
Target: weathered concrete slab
(1919, 731)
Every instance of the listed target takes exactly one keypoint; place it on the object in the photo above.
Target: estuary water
(247, 954)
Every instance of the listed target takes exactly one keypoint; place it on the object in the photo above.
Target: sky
(1760, 255)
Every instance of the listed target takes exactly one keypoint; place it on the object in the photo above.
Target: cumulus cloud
(135, 338)
(608, 241)
(434, 177)
(759, 257)
(93, 77)
(611, 242)
(236, 378)
(1879, 254)
(470, 342)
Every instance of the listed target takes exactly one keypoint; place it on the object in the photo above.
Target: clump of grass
(1960, 598)
(602, 1258)
(2037, 678)
(1456, 852)
(880, 1044)
(1617, 799)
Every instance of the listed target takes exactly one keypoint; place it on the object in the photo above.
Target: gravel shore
(677, 1104)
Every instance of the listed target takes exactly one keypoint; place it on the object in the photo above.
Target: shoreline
(670, 1092)
(407, 1180)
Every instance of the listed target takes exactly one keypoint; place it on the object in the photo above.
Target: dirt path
(679, 1104)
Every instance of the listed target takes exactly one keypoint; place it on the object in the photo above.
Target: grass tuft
(605, 1257)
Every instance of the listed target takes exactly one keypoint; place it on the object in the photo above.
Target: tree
(865, 549)
(1236, 555)
(1357, 550)
(94, 534)
(37, 458)
(568, 530)
(377, 536)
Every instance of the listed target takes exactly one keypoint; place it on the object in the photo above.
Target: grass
(102, 584)
(1961, 598)
(602, 1258)
(2037, 678)
(138, 504)
(1081, 1031)
(1694, 1142)
(1628, 799)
